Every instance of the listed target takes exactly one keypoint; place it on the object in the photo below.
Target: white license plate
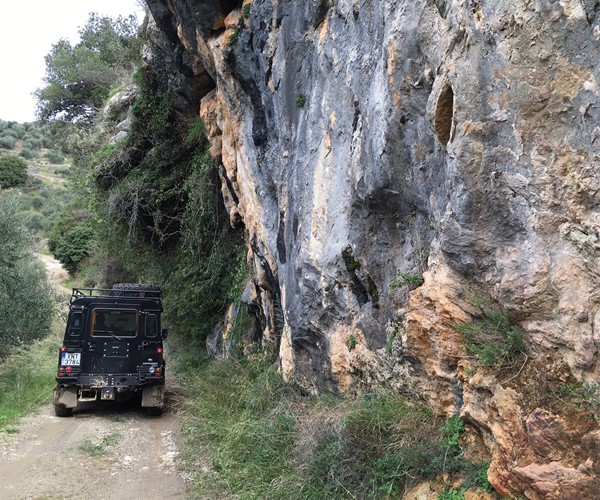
(70, 359)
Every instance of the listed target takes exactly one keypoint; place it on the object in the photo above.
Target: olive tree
(26, 306)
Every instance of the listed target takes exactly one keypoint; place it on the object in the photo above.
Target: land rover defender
(112, 349)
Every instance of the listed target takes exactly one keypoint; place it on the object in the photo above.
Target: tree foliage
(25, 299)
(79, 78)
(13, 171)
(72, 238)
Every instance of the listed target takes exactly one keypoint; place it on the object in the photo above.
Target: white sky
(28, 28)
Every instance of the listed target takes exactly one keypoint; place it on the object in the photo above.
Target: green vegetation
(13, 171)
(301, 100)
(407, 279)
(26, 307)
(196, 130)
(27, 379)
(80, 78)
(234, 37)
(55, 157)
(72, 238)
(585, 395)
(265, 438)
(351, 342)
(99, 448)
(491, 338)
(246, 10)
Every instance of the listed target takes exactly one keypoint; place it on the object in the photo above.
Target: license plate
(70, 359)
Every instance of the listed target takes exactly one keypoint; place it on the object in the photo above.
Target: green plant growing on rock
(351, 342)
(301, 100)
(585, 395)
(246, 10)
(196, 130)
(491, 338)
(407, 279)
(234, 37)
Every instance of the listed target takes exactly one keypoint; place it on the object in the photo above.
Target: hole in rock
(443, 114)
(226, 6)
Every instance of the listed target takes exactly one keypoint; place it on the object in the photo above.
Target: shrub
(55, 157)
(28, 154)
(7, 142)
(25, 298)
(407, 279)
(72, 246)
(33, 144)
(13, 171)
(491, 338)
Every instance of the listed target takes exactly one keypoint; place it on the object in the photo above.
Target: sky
(28, 28)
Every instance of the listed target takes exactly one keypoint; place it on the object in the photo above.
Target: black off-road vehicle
(113, 348)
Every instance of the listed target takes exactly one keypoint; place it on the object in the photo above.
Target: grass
(97, 449)
(27, 379)
(491, 338)
(258, 437)
(584, 395)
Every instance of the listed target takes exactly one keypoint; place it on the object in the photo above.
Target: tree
(13, 171)
(79, 78)
(26, 307)
(72, 237)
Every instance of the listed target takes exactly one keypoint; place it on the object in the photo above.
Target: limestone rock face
(454, 140)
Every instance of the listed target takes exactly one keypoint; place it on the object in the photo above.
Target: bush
(7, 142)
(28, 154)
(72, 246)
(26, 307)
(491, 338)
(13, 171)
(55, 157)
(33, 144)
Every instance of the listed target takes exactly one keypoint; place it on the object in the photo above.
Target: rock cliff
(391, 160)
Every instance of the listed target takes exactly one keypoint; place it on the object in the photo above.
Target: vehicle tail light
(159, 350)
(63, 349)
(158, 372)
(68, 369)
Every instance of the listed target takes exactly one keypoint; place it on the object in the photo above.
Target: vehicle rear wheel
(61, 410)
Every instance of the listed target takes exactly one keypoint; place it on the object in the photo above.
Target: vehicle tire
(134, 289)
(61, 410)
(155, 411)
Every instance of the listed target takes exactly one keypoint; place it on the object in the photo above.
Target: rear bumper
(123, 381)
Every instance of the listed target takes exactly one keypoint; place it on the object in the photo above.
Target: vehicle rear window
(109, 322)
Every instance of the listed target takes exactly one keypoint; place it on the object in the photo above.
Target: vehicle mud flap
(65, 396)
(153, 396)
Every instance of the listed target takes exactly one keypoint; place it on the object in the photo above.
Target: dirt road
(103, 452)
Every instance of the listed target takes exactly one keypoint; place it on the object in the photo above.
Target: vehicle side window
(151, 325)
(75, 324)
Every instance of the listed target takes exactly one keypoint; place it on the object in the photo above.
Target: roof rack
(151, 293)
